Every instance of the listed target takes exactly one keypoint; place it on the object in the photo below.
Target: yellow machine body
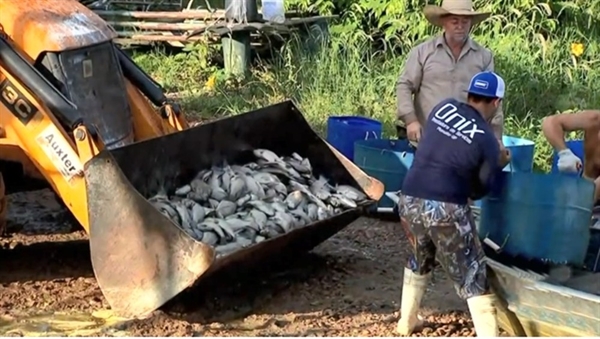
(66, 94)
(79, 114)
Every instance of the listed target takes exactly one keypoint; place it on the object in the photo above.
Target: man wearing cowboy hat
(442, 67)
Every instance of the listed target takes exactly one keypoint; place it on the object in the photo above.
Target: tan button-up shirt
(432, 74)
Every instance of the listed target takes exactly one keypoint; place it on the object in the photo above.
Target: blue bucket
(576, 146)
(540, 216)
(522, 151)
(343, 131)
(386, 160)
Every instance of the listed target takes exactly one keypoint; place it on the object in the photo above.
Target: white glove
(568, 162)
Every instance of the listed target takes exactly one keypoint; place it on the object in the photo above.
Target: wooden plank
(153, 36)
(223, 28)
(200, 14)
(191, 14)
(143, 3)
(159, 26)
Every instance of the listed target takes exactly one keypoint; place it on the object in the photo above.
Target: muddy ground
(348, 286)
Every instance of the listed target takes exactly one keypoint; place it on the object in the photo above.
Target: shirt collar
(440, 41)
(473, 109)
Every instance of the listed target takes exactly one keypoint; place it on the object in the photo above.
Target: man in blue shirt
(457, 159)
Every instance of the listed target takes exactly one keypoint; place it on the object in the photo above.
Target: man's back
(454, 146)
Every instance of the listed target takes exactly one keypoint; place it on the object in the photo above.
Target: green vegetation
(546, 52)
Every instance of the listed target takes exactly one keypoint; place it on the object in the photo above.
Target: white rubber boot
(413, 288)
(483, 313)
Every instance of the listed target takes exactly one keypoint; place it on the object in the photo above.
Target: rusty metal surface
(140, 258)
(130, 239)
(52, 25)
(532, 305)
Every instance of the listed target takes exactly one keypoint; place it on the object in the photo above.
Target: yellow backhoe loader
(79, 114)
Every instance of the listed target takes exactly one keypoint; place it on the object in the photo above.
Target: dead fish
(319, 188)
(204, 175)
(311, 211)
(243, 241)
(226, 228)
(284, 220)
(252, 166)
(298, 166)
(209, 238)
(213, 203)
(228, 248)
(270, 193)
(301, 215)
(200, 189)
(215, 180)
(237, 224)
(225, 208)
(165, 208)
(197, 211)
(185, 219)
(198, 234)
(265, 178)
(259, 216)
(280, 188)
(294, 199)
(237, 187)
(266, 155)
(226, 179)
(248, 233)
(279, 206)
(183, 191)
(253, 186)
(276, 170)
(344, 201)
(243, 200)
(297, 186)
(322, 213)
(212, 225)
(218, 194)
(241, 169)
(263, 207)
(350, 192)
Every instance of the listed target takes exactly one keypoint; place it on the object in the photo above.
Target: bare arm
(498, 118)
(408, 84)
(555, 126)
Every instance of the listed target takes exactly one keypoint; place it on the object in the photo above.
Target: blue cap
(487, 84)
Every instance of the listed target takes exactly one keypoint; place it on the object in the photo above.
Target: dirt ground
(348, 286)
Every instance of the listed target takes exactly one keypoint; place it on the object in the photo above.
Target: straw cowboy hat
(453, 7)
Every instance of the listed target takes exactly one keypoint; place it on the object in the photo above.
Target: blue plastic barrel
(522, 151)
(540, 216)
(343, 131)
(576, 146)
(387, 160)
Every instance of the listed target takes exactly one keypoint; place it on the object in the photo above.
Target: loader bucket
(142, 259)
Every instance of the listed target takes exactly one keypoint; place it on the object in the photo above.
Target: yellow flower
(577, 49)
(210, 83)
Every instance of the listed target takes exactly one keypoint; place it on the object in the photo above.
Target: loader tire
(3, 206)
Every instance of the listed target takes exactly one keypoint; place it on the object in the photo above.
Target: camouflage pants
(447, 230)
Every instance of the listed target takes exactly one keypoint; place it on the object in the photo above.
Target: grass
(348, 78)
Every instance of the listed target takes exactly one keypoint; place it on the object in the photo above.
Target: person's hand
(413, 131)
(568, 162)
(400, 132)
(504, 157)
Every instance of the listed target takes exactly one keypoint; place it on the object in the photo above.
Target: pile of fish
(234, 206)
